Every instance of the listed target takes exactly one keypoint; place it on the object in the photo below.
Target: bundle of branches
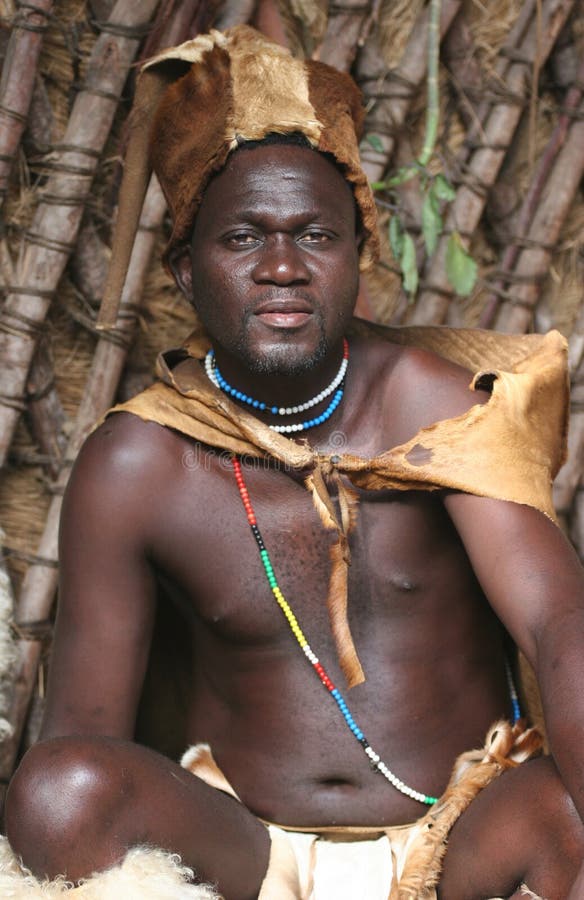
(487, 186)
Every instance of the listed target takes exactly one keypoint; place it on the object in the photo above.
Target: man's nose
(281, 262)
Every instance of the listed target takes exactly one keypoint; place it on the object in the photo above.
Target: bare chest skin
(429, 644)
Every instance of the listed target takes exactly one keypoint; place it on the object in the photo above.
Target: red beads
(323, 676)
(243, 492)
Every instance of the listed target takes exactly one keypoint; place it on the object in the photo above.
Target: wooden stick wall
(494, 100)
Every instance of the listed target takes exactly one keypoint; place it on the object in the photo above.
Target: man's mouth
(284, 313)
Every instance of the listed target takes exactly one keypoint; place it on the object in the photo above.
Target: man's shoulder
(405, 357)
(126, 441)
(428, 379)
(417, 386)
(126, 455)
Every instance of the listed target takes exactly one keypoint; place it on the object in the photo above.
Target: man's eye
(315, 237)
(241, 239)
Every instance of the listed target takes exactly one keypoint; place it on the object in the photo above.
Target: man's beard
(283, 357)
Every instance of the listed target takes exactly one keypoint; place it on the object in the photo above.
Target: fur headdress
(198, 102)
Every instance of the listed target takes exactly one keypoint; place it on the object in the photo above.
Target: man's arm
(532, 578)
(79, 801)
(107, 590)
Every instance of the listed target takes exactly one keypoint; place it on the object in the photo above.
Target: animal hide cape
(508, 449)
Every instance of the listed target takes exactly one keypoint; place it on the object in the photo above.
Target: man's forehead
(270, 171)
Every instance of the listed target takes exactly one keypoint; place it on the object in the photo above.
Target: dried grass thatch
(385, 43)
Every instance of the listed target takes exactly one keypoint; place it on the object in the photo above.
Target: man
(217, 504)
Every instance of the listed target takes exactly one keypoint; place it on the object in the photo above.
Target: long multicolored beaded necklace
(375, 760)
(336, 387)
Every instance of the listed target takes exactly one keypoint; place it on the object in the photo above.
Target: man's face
(273, 270)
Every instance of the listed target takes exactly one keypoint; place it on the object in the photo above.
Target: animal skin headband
(198, 102)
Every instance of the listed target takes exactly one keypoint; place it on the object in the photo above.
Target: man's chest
(402, 546)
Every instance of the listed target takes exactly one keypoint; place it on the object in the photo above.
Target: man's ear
(179, 262)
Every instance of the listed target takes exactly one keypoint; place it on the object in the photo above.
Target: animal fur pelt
(145, 874)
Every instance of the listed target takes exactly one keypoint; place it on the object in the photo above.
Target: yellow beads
(291, 618)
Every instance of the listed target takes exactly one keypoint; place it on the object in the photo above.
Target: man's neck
(280, 390)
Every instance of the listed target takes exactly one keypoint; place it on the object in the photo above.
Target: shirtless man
(435, 579)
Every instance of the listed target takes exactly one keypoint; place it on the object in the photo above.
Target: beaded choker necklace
(375, 760)
(337, 386)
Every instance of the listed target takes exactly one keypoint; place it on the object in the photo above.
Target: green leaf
(403, 175)
(375, 141)
(461, 268)
(443, 190)
(431, 223)
(396, 236)
(409, 265)
(378, 185)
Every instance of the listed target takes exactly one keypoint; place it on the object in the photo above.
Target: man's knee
(551, 831)
(62, 797)
(521, 828)
(559, 825)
